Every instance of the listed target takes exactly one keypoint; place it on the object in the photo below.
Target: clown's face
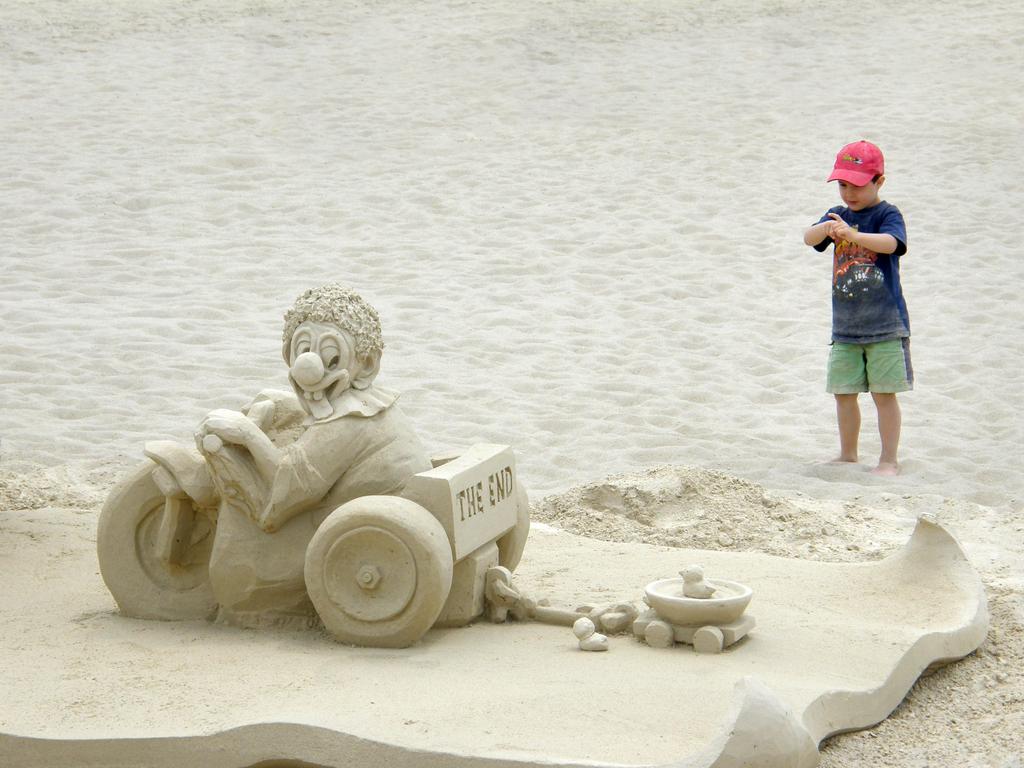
(322, 365)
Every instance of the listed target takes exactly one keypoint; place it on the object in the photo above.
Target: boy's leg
(889, 371)
(847, 377)
(848, 417)
(889, 422)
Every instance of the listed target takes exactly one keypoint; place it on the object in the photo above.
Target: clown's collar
(358, 402)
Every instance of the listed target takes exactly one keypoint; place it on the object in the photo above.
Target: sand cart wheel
(378, 571)
(145, 581)
(510, 546)
(708, 640)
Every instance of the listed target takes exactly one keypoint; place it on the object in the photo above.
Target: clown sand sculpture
(310, 503)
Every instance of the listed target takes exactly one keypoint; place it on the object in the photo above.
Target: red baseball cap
(858, 163)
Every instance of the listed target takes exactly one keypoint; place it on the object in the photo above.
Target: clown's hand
(229, 426)
(275, 409)
(224, 426)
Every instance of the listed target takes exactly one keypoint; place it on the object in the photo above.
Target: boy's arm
(878, 243)
(817, 234)
(839, 230)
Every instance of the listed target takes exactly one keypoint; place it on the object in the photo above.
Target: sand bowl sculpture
(319, 509)
(709, 614)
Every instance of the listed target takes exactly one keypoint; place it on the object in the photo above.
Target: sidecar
(379, 570)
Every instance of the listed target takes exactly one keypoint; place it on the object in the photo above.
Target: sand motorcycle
(179, 538)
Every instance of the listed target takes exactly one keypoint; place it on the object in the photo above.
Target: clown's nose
(307, 369)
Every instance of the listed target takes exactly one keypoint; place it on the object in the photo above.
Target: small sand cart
(382, 570)
(710, 624)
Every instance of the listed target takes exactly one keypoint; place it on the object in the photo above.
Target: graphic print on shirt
(855, 275)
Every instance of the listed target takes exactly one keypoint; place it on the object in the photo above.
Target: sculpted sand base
(319, 508)
(837, 647)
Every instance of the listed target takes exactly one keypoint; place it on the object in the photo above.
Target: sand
(581, 226)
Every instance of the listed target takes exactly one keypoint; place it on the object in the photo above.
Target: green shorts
(880, 367)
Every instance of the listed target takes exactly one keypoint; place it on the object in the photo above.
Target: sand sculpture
(705, 613)
(840, 646)
(322, 504)
(314, 503)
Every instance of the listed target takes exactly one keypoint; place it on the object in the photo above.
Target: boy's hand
(838, 229)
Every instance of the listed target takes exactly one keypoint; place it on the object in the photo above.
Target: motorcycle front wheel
(144, 584)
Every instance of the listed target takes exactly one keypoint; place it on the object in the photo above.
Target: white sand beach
(581, 225)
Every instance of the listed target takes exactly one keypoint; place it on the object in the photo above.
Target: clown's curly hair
(338, 304)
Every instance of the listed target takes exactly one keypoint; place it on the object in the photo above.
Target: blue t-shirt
(867, 298)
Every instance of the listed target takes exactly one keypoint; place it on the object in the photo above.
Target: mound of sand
(706, 509)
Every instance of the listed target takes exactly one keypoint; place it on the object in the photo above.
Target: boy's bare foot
(842, 460)
(886, 469)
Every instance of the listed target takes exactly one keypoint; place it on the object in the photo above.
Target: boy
(870, 325)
